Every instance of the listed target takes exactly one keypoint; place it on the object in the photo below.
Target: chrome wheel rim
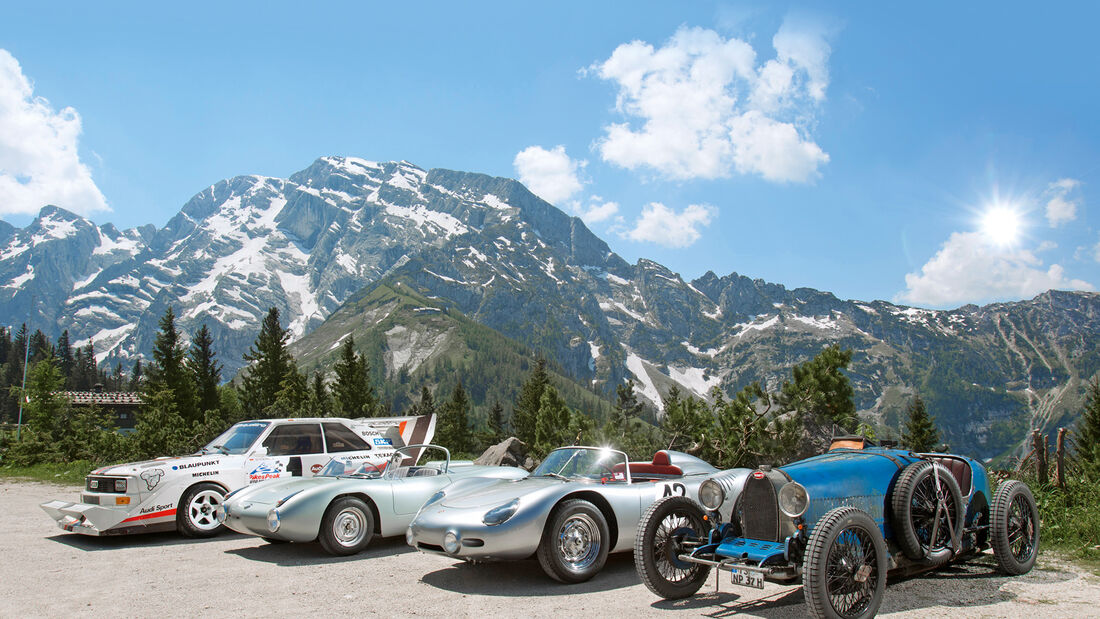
(349, 527)
(668, 544)
(200, 511)
(579, 542)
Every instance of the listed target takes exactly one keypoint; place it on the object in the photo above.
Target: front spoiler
(99, 521)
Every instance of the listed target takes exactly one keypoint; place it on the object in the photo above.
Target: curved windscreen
(237, 439)
(358, 468)
(584, 463)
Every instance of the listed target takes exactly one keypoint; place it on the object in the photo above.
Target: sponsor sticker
(152, 477)
(758, 474)
(195, 465)
(204, 473)
(269, 469)
(383, 442)
(154, 508)
(316, 468)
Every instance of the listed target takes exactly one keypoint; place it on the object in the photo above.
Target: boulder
(509, 452)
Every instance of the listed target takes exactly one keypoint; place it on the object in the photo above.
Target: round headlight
(793, 499)
(219, 513)
(410, 539)
(273, 520)
(499, 515)
(711, 494)
(450, 542)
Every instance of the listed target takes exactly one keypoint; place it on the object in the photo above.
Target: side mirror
(259, 452)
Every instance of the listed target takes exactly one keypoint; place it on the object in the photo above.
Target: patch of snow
(108, 246)
(87, 280)
(297, 290)
(714, 316)
(19, 280)
(106, 340)
(494, 202)
(867, 308)
(347, 262)
(423, 216)
(618, 305)
(615, 279)
(694, 379)
(710, 352)
(636, 365)
(55, 229)
(817, 323)
(767, 324)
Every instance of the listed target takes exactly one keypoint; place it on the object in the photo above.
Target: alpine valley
(426, 267)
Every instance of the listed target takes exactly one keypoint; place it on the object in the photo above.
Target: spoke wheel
(575, 542)
(662, 533)
(347, 526)
(195, 515)
(1015, 528)
(844, 573)
(929, 516)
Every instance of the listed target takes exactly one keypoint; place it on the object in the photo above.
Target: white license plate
(747, 578)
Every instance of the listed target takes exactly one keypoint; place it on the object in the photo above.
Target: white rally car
(182, 492)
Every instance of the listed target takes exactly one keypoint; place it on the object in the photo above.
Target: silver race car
(350, 501)
(182, 493)
(580, 504)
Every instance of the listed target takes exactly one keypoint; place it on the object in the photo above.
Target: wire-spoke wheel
(844, 573)
(575, 542)
(347, 526)
(195, 515)
(670, 527)
(1015, 528)
(928, 513)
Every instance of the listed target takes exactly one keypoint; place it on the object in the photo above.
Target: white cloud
(39, 163)
(597, 210)
(1060, 208)
(550, 174)
(704, 108)
(664, 226)
(969, 269)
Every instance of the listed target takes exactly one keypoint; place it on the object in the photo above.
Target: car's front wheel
(347, 526)
(195, 511)
(844, 571)
(664, 528)
(575, 542)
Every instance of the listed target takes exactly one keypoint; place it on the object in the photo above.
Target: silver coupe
(580, 504)
(350, 500)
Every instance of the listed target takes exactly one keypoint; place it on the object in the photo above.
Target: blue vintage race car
(839, 522)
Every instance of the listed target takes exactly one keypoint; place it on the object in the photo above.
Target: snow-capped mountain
(508, 260)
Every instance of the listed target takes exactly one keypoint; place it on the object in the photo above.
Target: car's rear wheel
(575, 542)
(660, 542)
(347, 526)
(1015, 528)
(844, 571)
(929, 519)
(195, 512)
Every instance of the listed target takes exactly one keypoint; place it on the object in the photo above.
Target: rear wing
(398, 431)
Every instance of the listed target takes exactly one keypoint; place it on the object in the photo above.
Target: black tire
(658, 544)
(915, 505)
(347, 527)
(575, 542)
(195, 511)
(1015, 528)
(845, 546)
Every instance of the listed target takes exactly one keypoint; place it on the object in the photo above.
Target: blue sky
(929, 154)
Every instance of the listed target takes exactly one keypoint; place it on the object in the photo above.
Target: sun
(1001, 224)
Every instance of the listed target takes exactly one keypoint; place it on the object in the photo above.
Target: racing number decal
(674, 488)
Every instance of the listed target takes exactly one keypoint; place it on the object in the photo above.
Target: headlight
(273, 520)
(450, 542)
(409, 538)
(793, 499)
(499, 515)
(120, 485)
(711, 494)
(93, 484)
(220, 513)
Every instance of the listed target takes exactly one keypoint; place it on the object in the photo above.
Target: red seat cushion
(661, 465)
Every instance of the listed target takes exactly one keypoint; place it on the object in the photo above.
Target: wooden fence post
(1060, 456)
(1039, 442)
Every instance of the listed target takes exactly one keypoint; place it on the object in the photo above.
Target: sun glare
(1001, 224)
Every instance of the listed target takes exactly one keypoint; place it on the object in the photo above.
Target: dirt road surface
(47, 572)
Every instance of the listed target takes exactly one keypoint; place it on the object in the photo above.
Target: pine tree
(292, 397)
(496, 423)
(920, 427)
(137, 377)
(319, 402)
(1088, 429)
(168, 371)
(269, 364)
(206, 372)
(454, 431)
(551, 422)
(65, 361)
(526, 410)
(353, 393)
(426, 406)
(627, 408)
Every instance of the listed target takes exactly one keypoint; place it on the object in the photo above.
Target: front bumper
(516, 538)
(251, 519)
(98, 520)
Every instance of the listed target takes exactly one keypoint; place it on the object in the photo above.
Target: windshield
(238, 439)
(355, 468)
(584, 463)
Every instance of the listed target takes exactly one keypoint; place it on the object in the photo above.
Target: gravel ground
(47, 572)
